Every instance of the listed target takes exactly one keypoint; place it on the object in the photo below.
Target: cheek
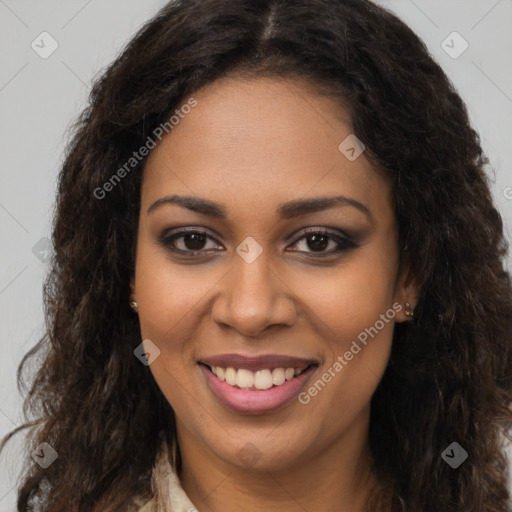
(350, 297)
(352, 308)
(167, 297)
(358, 343)
(168, 294)
(355, 318)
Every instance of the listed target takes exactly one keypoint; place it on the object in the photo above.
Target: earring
(409, 311)
(134, 305)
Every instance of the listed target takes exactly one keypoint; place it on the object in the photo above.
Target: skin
(251, 145)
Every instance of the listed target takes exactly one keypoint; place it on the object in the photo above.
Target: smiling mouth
(259, 380)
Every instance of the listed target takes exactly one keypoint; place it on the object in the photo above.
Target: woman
(278, 279)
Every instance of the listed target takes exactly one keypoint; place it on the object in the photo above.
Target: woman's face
(256, 293)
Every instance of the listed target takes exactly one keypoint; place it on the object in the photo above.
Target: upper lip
(269, 361)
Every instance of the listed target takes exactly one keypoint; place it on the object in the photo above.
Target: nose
(252, 298)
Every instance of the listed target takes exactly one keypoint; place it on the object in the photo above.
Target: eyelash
(344, 242)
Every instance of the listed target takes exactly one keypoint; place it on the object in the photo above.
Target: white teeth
(278, 376)
(230, 376)
(261, 379)
(245, 379)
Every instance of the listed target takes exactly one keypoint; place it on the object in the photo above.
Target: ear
(406, 291)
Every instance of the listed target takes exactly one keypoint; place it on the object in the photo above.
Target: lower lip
(256, 401)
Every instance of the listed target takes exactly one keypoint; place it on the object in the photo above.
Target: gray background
(39, 98)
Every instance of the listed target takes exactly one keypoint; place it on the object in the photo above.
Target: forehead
(254, 143)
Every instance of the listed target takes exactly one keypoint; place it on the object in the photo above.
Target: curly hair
(448, 377)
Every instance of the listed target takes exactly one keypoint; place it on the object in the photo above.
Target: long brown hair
(448, 379)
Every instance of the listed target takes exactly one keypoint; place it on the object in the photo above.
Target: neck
(336, 477)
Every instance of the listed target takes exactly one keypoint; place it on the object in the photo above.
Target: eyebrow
(287, 210)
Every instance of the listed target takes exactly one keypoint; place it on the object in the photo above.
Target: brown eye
(190, 241)
(194, 241)
(318, 240)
